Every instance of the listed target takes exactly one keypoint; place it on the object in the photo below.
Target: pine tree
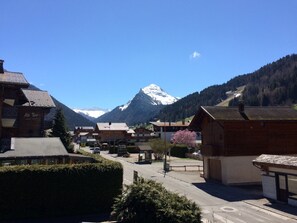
(60, 130)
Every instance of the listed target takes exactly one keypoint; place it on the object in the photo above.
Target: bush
(132, 149)
(148, 201)
(158, 147)
(179, 151)
(57, 190)
(113, 150)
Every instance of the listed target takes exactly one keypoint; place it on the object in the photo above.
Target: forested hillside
(273, 84)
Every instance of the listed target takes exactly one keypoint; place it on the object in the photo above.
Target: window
(292, 186)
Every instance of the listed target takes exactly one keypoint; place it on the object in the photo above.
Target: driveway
(219, 203)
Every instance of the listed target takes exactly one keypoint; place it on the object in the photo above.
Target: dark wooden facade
(246, 137)
(22, 111)
(113, 133)
(232, 138)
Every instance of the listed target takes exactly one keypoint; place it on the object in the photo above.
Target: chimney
(1, 66)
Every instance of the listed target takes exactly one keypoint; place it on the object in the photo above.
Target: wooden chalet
(232, 137)
(113, 133)
(22, 111)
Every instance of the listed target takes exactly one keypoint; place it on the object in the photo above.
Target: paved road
(219, 203)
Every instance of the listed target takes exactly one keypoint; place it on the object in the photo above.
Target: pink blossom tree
(184, 137)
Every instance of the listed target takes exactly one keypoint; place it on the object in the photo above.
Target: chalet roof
(251, 113)
(176, 124)
(14, 78)
(221, 113)
(35, 147)
(106, 126)
(142, 146)
(38, 98)
(287, 162)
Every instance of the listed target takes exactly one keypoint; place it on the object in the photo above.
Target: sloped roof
(35, 147)
(38, 98)
(13, 78)
(220, 113)
(177, 124)
(287, 162)
(251, 113)
(145, 148)
(106, 126)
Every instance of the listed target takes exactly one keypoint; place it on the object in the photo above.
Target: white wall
(167, 134)
(239, 170)
(269, 187)
(205, 167)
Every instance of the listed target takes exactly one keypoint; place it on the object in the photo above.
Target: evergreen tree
(60, 130)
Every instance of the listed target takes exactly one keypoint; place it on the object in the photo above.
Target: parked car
(96, 150)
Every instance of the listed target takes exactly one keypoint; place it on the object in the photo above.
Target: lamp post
(165, 158)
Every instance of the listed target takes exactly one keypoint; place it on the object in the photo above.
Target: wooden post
(135, 176)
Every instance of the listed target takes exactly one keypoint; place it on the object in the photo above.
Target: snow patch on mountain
(92, 112)
(123, 107)
(158, 95)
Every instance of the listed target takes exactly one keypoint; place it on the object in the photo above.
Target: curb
(274, 211)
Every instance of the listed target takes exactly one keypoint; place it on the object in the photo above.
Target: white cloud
(195, 55)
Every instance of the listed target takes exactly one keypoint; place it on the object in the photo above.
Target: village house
(22, 125)
(47, 151)
(85, 135)
(113, 133)
(233, 137)
(279, 177)
(142, 134)
(165, 130)
(22, 110)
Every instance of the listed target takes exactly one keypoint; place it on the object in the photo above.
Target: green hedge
(179, 151)
(56, 190)
(148, 202)
(130, 149)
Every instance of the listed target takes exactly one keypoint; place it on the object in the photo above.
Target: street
(219, 203)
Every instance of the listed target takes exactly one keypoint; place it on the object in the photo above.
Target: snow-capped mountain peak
(144, 106)
(92, 112)
(158, 95)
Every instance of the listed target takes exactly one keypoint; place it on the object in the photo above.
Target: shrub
(148, 201)
(132, 149)
(57, 190)
(179, 151)
(158, 147)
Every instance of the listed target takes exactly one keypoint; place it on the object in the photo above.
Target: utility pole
(165, 158)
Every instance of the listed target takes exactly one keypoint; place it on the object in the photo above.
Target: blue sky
(99, 53)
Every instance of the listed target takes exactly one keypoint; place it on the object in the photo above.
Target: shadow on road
(284, 207)
(230, 193)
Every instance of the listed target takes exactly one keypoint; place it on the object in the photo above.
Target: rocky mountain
(274, 84)
(142, 108)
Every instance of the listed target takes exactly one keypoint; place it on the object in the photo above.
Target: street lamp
(165, 159)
